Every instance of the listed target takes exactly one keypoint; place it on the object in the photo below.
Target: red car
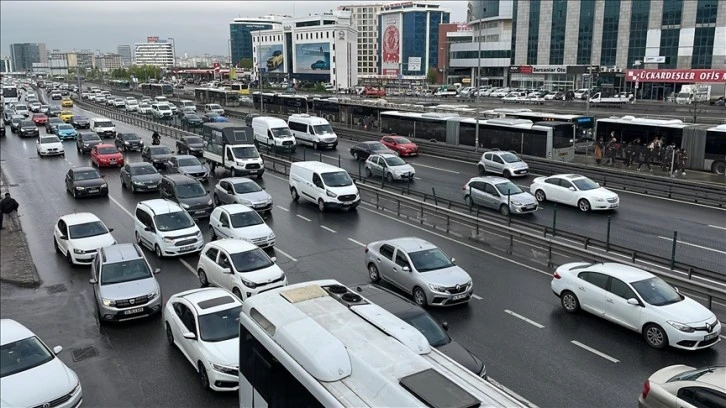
(39, 119)
(106, 155)
(400, 145)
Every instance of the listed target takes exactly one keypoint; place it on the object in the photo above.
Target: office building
(24, 55)
(240, 34)
(365, 18)
(155, 52)
(125, 52)
(313, 49)
(109, 62)
(6, 64)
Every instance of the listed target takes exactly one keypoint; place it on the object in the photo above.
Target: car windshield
(164, 107)
(395, 161)
(107, 150)
(23, 355)
(430, 260)
(402, 140)
(125, 271)
(173, 221)
(246, 187)
(49, 139)
(21, 108)
(245, 219)
(88, 229)
(433, 332)
(104, 124)
(87, 137)
(656, 291)
(159, 150)
(220, 326)
(337, 179)
(376, 146)
(190, 190)
(322, 129)
(252, 260)
(214, 106)
(281, 132)
(245, 152)
(508, 188)
(510, 158)
(191, 116)
(28, 123)
(140, 170)
(78, 118)
(692, 375)
(130, 136)
(65, 126)
(585, 184)
(87, 175)
(188, 161)
(193, 140)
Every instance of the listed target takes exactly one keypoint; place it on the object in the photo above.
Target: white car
(173, 107)
(79, 236)
(637, 300)
(31, 374)
(574, 190)
(118, 103)
(507, 164)
(389, 166)
(49, 145)
(132, 105)
(204, 325)
(240, 267)
(144, 108)
(240, 222)
(514, 97)
(684, 386)
(581, 93)
(500, 93)
(166, 228)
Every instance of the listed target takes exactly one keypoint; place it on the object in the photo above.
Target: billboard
(312, 58)
(681, 76)
(271, 57)
(390, 43)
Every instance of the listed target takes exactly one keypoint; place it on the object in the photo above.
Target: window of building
(639, 14)
(533, 37)
(559, 22)
(584, 35)
(669, 47)
(703, 47)
(706, 11)
(610, 33)
(672, 11)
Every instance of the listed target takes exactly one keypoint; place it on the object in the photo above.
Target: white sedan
(636, 300)
(574, 190)
(204, 325)
(240, 222)
(49, 145)
(78, 237)
(32, 375)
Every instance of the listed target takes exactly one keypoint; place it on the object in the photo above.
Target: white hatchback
(240, 222)
(574, 190)
(49, 145)
(637, 300)
(79, 236)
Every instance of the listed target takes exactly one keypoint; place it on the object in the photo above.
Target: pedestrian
(628, 154)
(682, 160)
(610, 150)
(7, 206)
(644, 154)
(598, 151)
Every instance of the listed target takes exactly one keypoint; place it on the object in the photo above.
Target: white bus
(318, 344)
(10, 94)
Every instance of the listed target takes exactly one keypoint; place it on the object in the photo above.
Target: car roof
(120, 252)
(139, 164)
(235, 208)
(209, 300)
(490, 179)
(389, 300)
(237, 180)
(410, 244)
(82, 168)
(184, 156)
(100, 145)
(161, 206)
(79, 218)
(623, 272)
(568, 176)
(233, 246)
(179, 178)
(12, 331)
(385, 155)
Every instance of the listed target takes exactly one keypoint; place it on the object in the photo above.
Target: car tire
(655, 336)
(69, 259)
(237, 293)
(294, 194)
(203, 278)
(373, 273)
(569, 302)
(355, 156)
(55, 245)
(216, 198)
(540, 196)
(157, 251)
(389, 178)
(584, 205)
(482, 169)
(138, 238)
(132, 187)
(73, 192)
(369, 173)
(169, 335)
(203, 378)
(504, 210)
(419, 296)
(321, 205)
(468, 200)
(507, 174)
(212, 235)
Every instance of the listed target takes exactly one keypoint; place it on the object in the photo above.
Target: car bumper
(81, 125)
(447, 299)
(134, 147)
(106, 135)
(264, 207)
(219, 381)
(523, 209)
(119, 163)
(83, 259)
(92, 192)
(408, 153)
(342, 205)
(145, 187)
(54, 153)
(110, 313)
(172, 250)
(197, 213)
(67, 137)
(692, 341)
(28, 134)
(519, 172)
(161, 165)
(604, 205)
(404, 176)
(241, 171)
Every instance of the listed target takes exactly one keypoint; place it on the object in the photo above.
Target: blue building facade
(240, 34)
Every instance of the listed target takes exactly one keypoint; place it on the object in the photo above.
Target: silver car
(241, 190)
(124, 285)
(685, 386)
(496, 192)
(419, 268)
(389, 166)
(140, 176)
(189, 165)
(507, 164)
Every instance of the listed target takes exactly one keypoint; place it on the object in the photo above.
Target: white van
(166, 228)
(185, 103)
(273, 133)
(312, 130)
(161, 99)
(324, 184)
(161, 111)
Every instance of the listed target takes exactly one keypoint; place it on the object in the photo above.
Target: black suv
(190, 145)
(188, 192)
(156, 155)
(128, 141)
(86, 140)
(52, 124)
(80, 122)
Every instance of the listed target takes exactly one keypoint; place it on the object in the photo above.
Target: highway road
(515, 323)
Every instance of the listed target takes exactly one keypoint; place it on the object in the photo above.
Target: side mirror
(633, 301)
(64, 237)
(148, 229)
(406, 269)
(103, 176)
(273, 259)
(226, 270)
(110, 230)
(57, 349)
(190, 336)
(571, 188)
(453, 260)
(445, 325)
(676, 289)
(92, 281)
(207, 191)
(157, 270)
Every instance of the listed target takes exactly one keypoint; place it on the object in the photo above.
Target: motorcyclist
(155, 138)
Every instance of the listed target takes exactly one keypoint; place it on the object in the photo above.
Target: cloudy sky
(198, 27)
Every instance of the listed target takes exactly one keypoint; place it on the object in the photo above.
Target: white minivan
(323, 184)
(165, 228)
(185, 103)
(312, 130)
(273, 133)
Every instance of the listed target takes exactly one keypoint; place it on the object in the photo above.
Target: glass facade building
(24, 55)
(610, 24)
(559, 23)
(240, 34)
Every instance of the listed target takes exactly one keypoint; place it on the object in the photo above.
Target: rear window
(104, 124)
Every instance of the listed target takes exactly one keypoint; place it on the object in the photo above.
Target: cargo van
(323, 184)
(273, 133)
(312, 130)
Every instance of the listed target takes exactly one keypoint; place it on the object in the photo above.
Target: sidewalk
(691, 175)
(16, 264)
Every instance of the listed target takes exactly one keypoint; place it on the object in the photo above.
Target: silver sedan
(389, 166)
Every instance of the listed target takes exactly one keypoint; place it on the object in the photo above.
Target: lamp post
(478, 74)
(259, 72)
(636, 64)
(446, 82)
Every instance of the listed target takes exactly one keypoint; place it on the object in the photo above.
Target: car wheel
(368, 172)
(389, 178)
(55, 245)
(237, 293)
(355, 155)
(69, 259)
(216, 198)
(294, 194)
(540, 196)
(583, 205)
(482, 170)
(504, 210)
(203, 278)
(213, 236)
(138, 238)
(569, 302)
(158, 252)
(419, 296)
(655, 336)
(507, 174)
(315, 145)
(169, 335)
(321, 204)
(373, 273)
(203, 378)
(73, 192)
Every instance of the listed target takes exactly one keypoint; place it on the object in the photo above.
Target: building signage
(463, 27)
(414, 63)
(391, 42)
(654, 60)
(287, 28)
(682, 76)
(312, 58)
(152, 39)
(549, 69)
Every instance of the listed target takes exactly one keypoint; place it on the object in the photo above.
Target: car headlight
(85, 145)
(243, 201)
(268, 200)
(515, 202)
(437, 288)
(141, 142)
(185, 206)
(80, 188)
(104, 185)
(78, 251)
(168, 240)
(598, 199)
(249, 284)
(681, 327)
(138, 183)
(108, 302)
(76, 388)
(330, 193)
(153, 294)
(209, 202)
(231, 370)
(271, 236)
(126, 143)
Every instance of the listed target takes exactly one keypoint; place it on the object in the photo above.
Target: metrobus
(584, 125)
(283, 104)
(705, 144)
(120, 85)
(224, 97)
(319, 344)
(10, 94)
(242, 89)
(546, 139)
(157, 89)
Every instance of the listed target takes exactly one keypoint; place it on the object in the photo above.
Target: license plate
(710, 336)
(187, 248)
(347, 202)
(113, 161)
(134, 311)
(93, 190)
(199, 212)
(458, 297)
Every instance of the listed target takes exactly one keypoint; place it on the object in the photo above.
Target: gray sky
(198, 27)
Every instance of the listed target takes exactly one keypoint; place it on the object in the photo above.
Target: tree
(432, 75)
(245, 63)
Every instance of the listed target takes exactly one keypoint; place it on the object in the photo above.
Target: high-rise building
(24, 55)
(365, 18)
(6, 64)
(109, 62)
(125, 52)
(154, 52)
(240, 34)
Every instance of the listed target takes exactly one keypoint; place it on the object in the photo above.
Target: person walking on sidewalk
(598, 151)
(7, 206)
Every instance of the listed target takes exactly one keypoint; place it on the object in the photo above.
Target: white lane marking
(519, 316)
(716, 226)
(356, 242)
(277, 177)
(458, 242)
(330, 157)
(328, 229)
(438, 168)
(188, 266)
(285, 253)
(722, 336)
(120, 206)
(694, 245)
(282, 208)
(306, 219)
(592, 350)
(477, 297)
(667, 199)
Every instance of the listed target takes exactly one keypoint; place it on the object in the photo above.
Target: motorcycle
(155, 139)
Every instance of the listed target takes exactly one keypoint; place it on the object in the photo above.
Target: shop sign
(682, 76)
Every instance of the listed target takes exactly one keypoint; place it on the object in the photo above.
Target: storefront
(663, 84)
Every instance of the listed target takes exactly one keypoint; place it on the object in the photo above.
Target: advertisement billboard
(271, 57)
(312, 58)
(391, 43)
(681, 76)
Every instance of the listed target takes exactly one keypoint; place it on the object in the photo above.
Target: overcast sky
(198, 27)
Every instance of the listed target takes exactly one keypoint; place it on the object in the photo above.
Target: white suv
(161, 110)
(164, 227)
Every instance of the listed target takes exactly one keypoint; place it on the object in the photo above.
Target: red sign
(216, 66)
(525, 69)
(390, 44)
(681, 76)
(393, 72)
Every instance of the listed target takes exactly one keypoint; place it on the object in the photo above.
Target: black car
(85, 181)
(362, 150)
(190, 145)
(15, 122)
(28, 128)
(156, 155)
(191, 120)
(417, 317)
(128, 141)
(8, 116)
(248, 118)
(140, 176)
(52, 124)
(80, 122)
(53, 111)
(86, 140)
(2, 130)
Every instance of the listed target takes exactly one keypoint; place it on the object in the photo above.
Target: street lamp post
(478, 74)
(446, 57)
(259, 72)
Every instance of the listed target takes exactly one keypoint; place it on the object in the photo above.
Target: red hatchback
(106, 155)
(400, 145)
(39, 119)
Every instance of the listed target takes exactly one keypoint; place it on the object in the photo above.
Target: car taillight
(646, 388)
(556, 275)
(465, 187)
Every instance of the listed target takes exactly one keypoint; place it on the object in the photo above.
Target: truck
(445, 91)
(700, 93)
(598, 99)
(231, 147)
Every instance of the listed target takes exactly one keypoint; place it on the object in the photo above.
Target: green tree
(432, 75)
(245, 63)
